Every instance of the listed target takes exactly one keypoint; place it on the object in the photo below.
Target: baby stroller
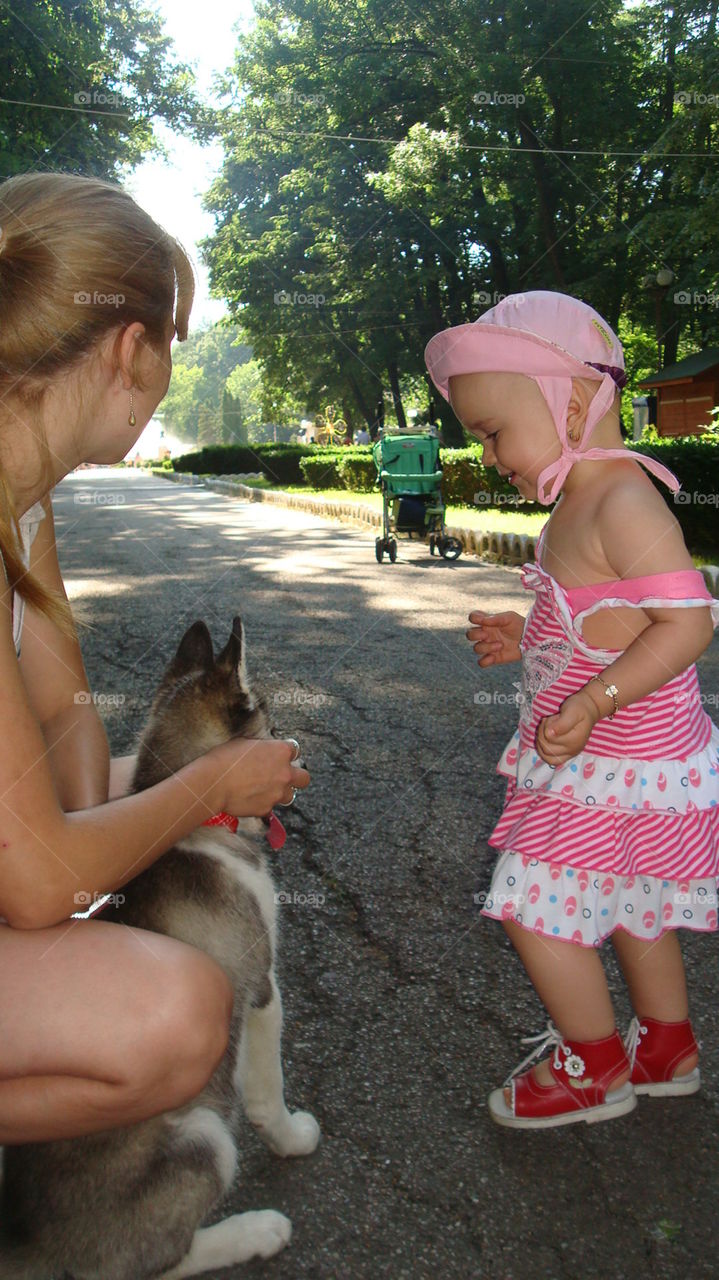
(410, 477)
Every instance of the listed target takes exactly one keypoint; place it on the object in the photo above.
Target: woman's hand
(564, 734)
(254, 774)
(496, 637)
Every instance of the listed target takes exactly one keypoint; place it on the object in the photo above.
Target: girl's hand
(563, 735)
(496, 637)
(254, 774)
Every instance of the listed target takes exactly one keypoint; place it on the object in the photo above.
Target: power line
(470, 146)
(390, 142)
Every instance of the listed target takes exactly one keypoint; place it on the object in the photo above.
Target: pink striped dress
(626, 833)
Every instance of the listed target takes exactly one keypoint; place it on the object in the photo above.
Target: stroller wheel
(392, 550)
(379, 549)
(450, 548)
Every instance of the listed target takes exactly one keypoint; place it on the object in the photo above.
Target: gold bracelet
(611, 691)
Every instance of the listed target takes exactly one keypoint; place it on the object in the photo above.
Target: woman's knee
(188, 1031)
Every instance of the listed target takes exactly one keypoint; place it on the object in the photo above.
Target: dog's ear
(233, 654)
(194, 651)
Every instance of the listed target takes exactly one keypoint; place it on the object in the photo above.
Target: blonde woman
(99, 1028)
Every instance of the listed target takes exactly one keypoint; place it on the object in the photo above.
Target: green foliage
(357, 471)
(280, 463)
(321, 471)
(204, 367)
(116, 58)
(389, 172)
(244, 387)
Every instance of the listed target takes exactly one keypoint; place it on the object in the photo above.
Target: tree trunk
(397, 398)
(357, 393)
(528, 139)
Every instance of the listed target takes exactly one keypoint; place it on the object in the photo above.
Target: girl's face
(510, 417)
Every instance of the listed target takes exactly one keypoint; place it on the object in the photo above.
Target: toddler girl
(611, 822)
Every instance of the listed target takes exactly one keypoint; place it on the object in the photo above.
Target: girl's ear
(583, 392)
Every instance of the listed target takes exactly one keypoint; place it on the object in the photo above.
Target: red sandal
(582, 1076)
(655, 1049)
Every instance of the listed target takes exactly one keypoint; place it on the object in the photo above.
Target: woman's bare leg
(101, 1026)
(571, 983)
(656, 980)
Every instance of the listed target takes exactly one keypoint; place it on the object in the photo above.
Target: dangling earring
(132, 419)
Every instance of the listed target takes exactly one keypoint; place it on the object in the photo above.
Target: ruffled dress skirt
(636, 816)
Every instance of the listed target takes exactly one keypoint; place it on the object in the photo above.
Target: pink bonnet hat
(550, 337)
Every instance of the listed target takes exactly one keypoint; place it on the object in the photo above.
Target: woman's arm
(79, 756)
(47, 854)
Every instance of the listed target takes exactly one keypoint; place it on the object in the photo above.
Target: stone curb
(505, 548)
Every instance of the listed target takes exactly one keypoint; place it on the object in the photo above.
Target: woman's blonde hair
(78, 258)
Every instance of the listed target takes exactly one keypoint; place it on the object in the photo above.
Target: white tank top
(29, 525)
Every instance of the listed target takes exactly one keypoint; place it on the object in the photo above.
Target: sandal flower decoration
(574, 1065)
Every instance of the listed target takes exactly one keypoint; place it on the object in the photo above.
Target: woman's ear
(122, 351)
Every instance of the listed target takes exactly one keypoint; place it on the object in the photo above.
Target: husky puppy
(129, 1203)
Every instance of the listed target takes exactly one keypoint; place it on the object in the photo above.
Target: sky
(171, 192)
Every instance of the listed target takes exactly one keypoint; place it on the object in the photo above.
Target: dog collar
(275, 833)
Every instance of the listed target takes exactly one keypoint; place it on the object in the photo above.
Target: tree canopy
(391, 169)
(83, 83)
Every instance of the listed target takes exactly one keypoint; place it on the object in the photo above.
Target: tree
(196, 396)
(390, 171)
(83, 83)
(245, 386)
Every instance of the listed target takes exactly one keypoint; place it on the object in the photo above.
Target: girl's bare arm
(640, 537)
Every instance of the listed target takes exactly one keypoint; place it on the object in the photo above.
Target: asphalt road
(403, 1006)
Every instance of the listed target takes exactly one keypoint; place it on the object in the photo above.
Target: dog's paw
(299, 1135)
(261, 1232)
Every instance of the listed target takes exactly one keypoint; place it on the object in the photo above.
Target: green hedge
(357, 471)
(344, 467)
(321, 472)
(279, 462)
